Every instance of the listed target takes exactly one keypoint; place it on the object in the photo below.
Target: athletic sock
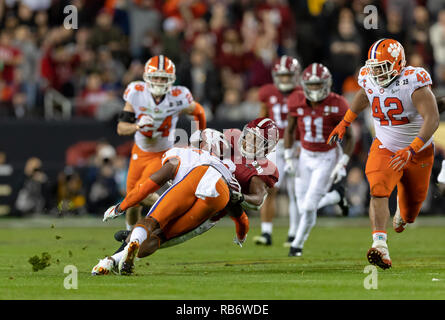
(379, 235)
(138, 234)
(266, 227)
(117, 257)
(128, 226)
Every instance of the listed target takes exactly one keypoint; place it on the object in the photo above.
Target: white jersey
(161, 136)
(396, 120)
(190, 158)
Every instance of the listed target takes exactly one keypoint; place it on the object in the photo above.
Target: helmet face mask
(316, 82)
(258, 139)
(160, 75)
(285, 73)
(382, 73)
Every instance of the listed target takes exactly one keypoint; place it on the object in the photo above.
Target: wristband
(417, 144)
(350, 116)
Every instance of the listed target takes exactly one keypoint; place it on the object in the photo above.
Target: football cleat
(344, 203)
(263, 239)
(295, 252)
(104, 267)
(121, 235)
(397, 222)
(126, 264)
(378, 255)
(288, 242)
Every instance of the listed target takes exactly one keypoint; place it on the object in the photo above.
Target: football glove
(289, 165)
(145, 121)
(113, 212)
(339, 171)
(239, 242)
(401, 158)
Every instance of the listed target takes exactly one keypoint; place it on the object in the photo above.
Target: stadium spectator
(32, 196)
(345, 50)
(70, 192)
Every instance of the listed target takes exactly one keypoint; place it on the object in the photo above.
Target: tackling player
(286, 73)
(315, 112)
(251, 195)
(405, 117)
(151, 111)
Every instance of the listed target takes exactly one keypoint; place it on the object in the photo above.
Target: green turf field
(212, 267)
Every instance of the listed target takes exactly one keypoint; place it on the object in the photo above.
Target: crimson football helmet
(316, 74)
(258, 138)
(156, 68)
(286, 65)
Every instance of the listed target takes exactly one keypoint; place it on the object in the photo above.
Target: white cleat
(104, 267)
(397, 222)
(378, 255)
(126, 264)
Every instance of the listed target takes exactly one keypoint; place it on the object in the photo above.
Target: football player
(405, 116)
(314, 112)
(150, 114)
(286, 75)
(254, 184)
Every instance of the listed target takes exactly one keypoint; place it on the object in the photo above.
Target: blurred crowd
(223, 51)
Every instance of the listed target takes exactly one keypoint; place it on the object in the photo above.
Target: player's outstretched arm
(359, 103)
(152, 184)
(257, 194)
(126, 125)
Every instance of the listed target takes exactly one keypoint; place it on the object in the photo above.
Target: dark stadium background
(61, 89)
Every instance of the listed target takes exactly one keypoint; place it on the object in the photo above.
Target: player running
(405, 117)
(315, 112)
(286, 73)
(151, 111)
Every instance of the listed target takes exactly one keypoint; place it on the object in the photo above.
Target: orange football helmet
(160, 74)
(386, 59)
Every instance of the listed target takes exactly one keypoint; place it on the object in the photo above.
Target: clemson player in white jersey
(201, 187)
(405, 117)
(150, 114)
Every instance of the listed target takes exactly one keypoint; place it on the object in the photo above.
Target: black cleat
(295, 252)
(344, 203)
(121, 235)
(264, 239)
(288, 242)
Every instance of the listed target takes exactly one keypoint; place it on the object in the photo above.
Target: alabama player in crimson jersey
(314, 113)
(150, 114)
(273, 97)
(405, 116)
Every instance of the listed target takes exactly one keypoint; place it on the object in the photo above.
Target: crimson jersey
(315, 124)
(277, 105)
(245, 170)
